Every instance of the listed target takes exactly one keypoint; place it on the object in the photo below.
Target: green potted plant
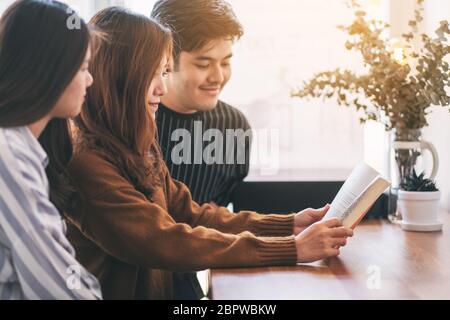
(399, 87)
(418, 202)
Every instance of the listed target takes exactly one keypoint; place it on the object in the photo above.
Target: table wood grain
(381, 261)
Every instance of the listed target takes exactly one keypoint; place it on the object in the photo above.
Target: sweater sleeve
(129, 227)
(185, 210)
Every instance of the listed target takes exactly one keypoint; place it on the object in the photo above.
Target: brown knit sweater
(132, 243)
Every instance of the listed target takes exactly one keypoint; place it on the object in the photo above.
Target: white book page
(365, 200)
(359, 180)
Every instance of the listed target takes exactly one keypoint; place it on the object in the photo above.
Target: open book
(357, 195)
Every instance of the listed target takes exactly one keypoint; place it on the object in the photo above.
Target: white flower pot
(419, 210)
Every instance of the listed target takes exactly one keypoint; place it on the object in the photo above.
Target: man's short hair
(194, 23)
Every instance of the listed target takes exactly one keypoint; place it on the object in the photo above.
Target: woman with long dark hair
(43, 80)
(134, 224)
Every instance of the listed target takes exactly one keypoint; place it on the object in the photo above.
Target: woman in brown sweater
(132, 224)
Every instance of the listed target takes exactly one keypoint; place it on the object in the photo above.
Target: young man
(205, 142)
(204, 32)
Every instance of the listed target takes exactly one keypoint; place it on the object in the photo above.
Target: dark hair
(116, 121)
(39, 57)
(196, 22)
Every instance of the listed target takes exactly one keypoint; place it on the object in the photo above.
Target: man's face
(199, 77)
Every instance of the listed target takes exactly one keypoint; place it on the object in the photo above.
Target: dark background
(291, 197)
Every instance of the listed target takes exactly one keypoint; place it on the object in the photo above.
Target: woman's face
(158, 86)
(70, 103)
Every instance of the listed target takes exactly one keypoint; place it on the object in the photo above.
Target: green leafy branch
(390, 92)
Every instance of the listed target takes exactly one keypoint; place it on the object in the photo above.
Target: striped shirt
(36, 259)
(207, 182)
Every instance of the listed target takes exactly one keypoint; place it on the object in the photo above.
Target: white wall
(285, 43)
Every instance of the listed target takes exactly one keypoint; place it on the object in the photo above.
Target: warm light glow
(400, 55)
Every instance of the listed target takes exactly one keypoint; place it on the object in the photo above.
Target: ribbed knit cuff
(277, 251)
(274, 225)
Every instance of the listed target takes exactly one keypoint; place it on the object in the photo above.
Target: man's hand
(307, 217)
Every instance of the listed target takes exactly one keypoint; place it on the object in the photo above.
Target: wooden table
(381, 261)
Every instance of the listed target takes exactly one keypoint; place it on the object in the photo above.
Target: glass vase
(407, 154)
